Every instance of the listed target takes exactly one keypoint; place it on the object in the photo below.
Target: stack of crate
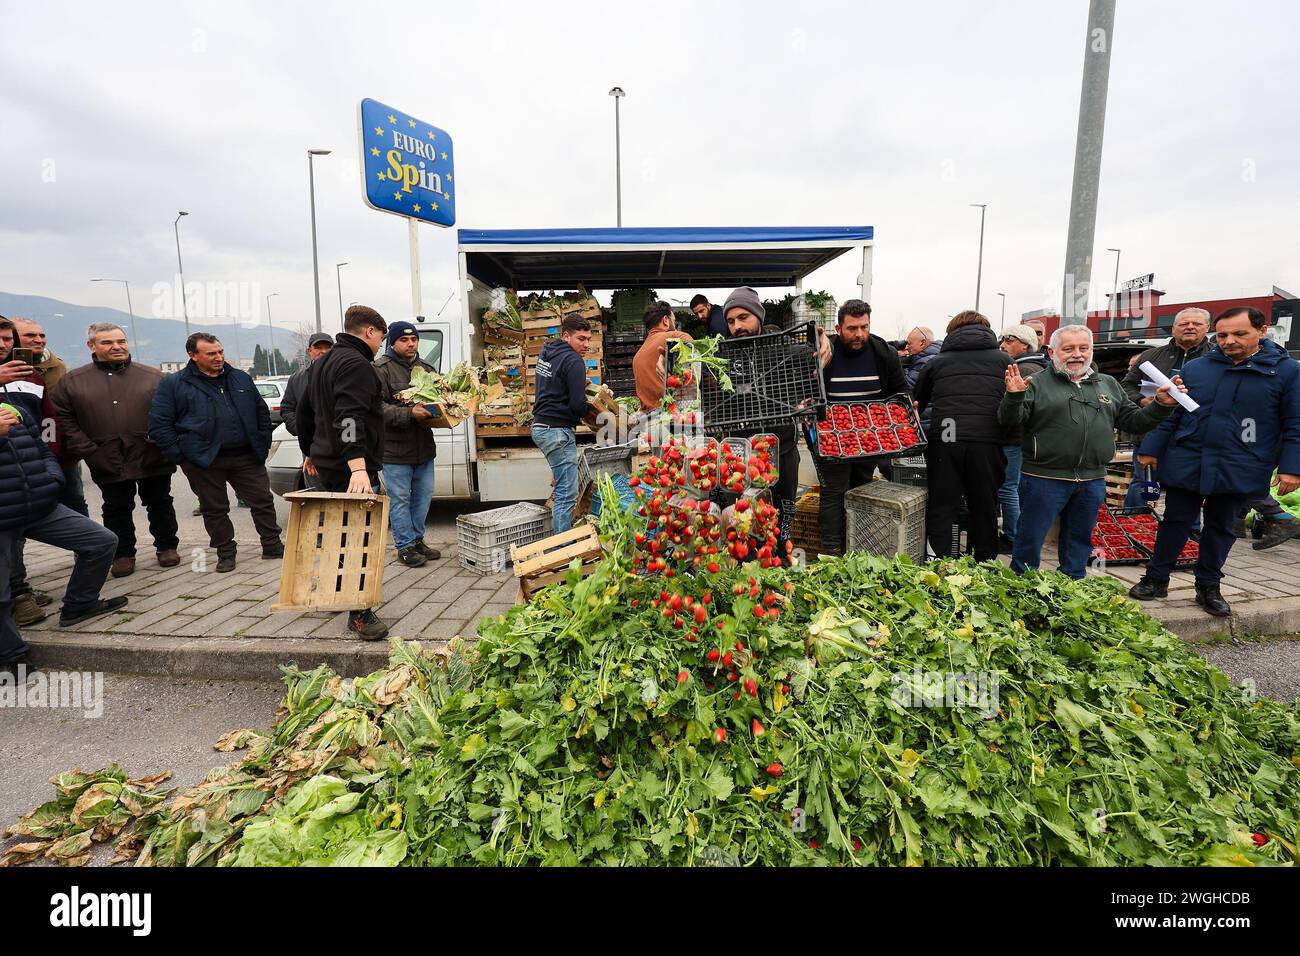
(807, 530)
(540, 326)
(620, 349)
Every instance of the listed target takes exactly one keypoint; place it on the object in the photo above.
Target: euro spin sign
(406, 165)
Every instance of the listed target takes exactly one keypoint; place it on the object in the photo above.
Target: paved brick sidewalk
(191, 621)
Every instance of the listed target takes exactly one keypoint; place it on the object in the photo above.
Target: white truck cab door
(441, 349)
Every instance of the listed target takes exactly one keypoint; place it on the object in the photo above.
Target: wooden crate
(334, 552)
(806, 532)
(546, 562)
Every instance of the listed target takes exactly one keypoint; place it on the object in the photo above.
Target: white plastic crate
(484, 538)
(886, 519)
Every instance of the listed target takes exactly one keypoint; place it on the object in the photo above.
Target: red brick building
(1140, 312)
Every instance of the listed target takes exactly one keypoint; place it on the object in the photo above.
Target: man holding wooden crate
(341, 424)
(560, 405)
(409, 447)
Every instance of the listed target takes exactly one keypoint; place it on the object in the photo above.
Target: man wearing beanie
(341, 424)
(408, 446)
(745, 313)
(317, 345)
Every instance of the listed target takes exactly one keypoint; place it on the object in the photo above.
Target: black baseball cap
(319, 338)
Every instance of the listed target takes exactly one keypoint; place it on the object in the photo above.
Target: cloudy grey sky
(895, 115)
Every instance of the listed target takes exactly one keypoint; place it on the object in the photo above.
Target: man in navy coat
(1225, 452)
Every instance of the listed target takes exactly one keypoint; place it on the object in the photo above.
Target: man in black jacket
(317, 345)
(409, 448)
(341, 424)
(30, 483)
(560, 404)
(964, 386)
(210, 419)
(856, 367)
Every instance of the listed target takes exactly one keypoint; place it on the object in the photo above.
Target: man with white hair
(921, 348)
(1190, 340)
(1069, 414)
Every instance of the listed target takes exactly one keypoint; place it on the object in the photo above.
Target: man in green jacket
(1069, 414)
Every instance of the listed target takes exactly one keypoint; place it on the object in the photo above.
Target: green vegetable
(947, 714)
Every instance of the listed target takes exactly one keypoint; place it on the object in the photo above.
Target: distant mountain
(153, 342)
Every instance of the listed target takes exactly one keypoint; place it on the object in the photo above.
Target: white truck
(531, 260)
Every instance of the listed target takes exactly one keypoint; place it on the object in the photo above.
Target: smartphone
(26, 356)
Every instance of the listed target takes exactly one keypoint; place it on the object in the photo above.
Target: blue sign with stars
(406, 165)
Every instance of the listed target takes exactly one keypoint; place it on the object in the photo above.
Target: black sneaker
(102, 606)
(1275, 532)
(433, 554)
(1005, 545)
(411, 556)
(367, 625)
(1148, 590)
(272, 551)
(1212, 600)
(225, 563)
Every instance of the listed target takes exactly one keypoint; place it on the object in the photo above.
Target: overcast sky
(894, 115)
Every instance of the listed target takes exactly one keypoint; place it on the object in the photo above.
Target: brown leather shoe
(168, 559)
(122, 567)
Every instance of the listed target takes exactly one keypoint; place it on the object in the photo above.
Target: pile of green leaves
(457, 392)
(89, 808)
(587, 727)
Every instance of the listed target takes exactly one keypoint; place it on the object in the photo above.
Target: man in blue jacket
(210, 419)
(560, 404)
(1225, 452)
(30, 484)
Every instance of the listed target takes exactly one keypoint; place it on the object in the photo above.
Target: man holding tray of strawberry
(1068, 415)
(1223, 454)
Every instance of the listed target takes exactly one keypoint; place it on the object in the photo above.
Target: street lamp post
(1003, 323)
(271, 328)
(339, 276)
(618, 94)
(1114, 289)
(315, 264)
(129, 309)
(185, 306)
(979, 271)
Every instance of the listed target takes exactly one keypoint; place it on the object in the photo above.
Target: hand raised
(1014, 382)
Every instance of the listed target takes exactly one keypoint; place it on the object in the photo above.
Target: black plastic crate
(777, 379)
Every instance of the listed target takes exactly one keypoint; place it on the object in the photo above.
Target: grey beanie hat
(747, 299)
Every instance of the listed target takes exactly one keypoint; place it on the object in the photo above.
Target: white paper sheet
(1159, 377)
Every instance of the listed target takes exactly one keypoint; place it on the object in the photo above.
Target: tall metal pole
(979, 272)
(270, 328)
(130, 310)
(1087, 161)
(1114, 289)
(181, 269)
(618, 94)
(338, 274)
(1003, 323)
(315, 261)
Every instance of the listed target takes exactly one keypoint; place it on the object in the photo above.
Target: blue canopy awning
(706, 257)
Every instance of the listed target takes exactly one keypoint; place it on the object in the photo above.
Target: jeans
(410, 490)
(957, 470)
(119, 507)
(560, 446)
(243, 472)
(94, 547)
(1041, 501)
(74, 490)
(1009, 493)
(1182, 507)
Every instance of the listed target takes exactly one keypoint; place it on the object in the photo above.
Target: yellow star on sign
(433, 206)
(444, 155)
(447, 196)
(412, 122)
(379, 131)
(392, 119)
(380, 175)
(416, 207)
(397, 196)
(374, 150)
(431, 136)
(449, 177)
